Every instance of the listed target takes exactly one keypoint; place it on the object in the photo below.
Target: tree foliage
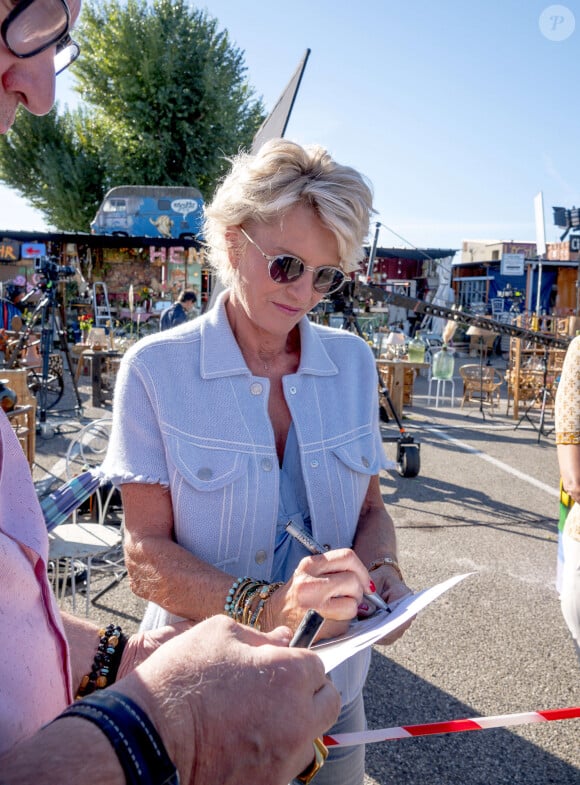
(165, 102)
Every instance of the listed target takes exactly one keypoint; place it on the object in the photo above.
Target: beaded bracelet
(132, 735)
(388, 561)
(106, 663)
(246, 599)
(233, 595)
(253, 614)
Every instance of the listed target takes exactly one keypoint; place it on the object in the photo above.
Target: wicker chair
(481, 384)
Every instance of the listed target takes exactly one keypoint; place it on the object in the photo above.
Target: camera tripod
(47, 312)
(543, 396)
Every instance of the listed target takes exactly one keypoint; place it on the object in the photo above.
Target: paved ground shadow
(395, 696)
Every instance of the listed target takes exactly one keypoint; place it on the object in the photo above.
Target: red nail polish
(372, 586)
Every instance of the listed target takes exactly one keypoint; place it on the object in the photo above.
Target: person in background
(180, 311)
(567, 423)
(164, 714)
(252, 416)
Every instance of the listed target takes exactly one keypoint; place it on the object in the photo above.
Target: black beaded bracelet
(137, 744)
(106, 663)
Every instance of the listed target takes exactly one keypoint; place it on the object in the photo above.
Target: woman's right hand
(331, 583)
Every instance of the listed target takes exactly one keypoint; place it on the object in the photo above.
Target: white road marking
(500, 465)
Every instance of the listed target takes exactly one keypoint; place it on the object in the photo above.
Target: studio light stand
(480, 334)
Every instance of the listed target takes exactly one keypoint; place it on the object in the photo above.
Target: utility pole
(373, 252)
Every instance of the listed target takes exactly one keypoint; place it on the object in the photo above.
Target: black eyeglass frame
(17, 11)
(273, 259)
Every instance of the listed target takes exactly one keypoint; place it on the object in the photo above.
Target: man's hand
(235, 705)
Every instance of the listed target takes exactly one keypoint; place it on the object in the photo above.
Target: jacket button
(256, 388)
(293, 391)
(260, 557)
(267, 464)
(205, 473)
(365, 462)
(314, 463)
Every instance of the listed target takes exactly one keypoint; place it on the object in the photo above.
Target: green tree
(166, 100)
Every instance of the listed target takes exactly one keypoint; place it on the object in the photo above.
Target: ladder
(102, 311)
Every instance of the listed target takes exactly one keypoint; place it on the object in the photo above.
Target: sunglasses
(36, 25)
(286, 268)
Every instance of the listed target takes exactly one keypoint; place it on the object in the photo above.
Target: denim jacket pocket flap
(360, 455)
(205, 468)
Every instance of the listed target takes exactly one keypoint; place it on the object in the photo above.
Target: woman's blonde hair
(264, 186)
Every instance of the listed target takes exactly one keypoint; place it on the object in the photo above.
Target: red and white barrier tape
(453, 726)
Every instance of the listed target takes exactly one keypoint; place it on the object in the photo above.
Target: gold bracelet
(320, 756)
(389, 561)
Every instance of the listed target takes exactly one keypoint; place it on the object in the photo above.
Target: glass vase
(416, 350)
(443, 364)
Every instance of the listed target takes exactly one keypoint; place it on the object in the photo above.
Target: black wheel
(54, 387)
(410, 462)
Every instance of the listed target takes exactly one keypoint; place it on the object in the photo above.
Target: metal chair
(440, 389)
(481, 383)
(441, 371)
(94, 546)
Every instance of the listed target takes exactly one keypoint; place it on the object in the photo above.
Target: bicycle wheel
(54, 386)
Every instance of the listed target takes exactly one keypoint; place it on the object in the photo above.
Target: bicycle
(23, 351)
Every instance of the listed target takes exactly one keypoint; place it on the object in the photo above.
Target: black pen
(311, 545)
(307, 629)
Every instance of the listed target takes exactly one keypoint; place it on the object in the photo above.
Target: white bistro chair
(96, 546)
(441, 379)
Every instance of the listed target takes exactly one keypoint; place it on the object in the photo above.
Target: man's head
(188, 299)
(34, 45)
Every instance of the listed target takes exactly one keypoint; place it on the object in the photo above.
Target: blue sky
(459, 113)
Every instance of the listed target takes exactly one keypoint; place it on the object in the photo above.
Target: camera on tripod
(51, 270)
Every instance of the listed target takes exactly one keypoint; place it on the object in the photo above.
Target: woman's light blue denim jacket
(189, 414)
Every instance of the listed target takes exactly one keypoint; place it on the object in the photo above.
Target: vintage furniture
(529, 367)
(103, 369)
(93, 544)
(441, 371)
(23, 420)
(398, 376)
(481, 383)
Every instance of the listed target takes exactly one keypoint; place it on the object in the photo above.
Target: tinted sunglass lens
(285, 269)
(328, 279)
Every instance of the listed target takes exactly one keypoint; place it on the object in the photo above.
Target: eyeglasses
(286, 268)
(35, 25)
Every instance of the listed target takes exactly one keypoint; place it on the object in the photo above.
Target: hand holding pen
(314, 548)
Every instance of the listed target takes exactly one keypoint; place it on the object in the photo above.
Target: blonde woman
(251, 415)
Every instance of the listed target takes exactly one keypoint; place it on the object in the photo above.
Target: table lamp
(394, 343)
(481, 334)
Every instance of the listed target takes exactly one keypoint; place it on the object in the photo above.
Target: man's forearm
(58, 754)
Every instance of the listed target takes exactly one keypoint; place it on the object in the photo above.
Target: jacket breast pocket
(355, 462)
(360, 455)
(209, 490)
(206, 468)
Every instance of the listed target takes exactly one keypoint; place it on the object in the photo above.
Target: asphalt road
(484, 502)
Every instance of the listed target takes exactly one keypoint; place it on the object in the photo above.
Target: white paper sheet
(368, 631)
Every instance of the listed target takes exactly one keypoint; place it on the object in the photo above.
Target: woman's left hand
(142, 644)
(391, 588)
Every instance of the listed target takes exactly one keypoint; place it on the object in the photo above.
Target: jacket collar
(221, 355)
